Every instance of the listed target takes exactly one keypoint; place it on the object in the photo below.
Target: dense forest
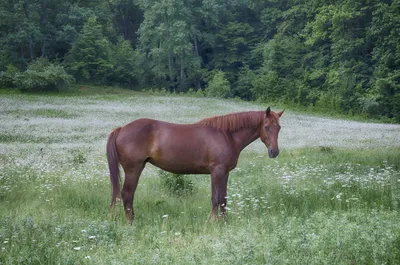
(335, 55)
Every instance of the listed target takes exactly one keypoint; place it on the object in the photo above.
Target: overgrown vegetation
(334, 56)
(40, 75)
(328, 202)
(177, 184)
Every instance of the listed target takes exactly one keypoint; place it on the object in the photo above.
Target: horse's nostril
(273, 153)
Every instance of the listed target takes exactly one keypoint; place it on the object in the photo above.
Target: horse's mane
(234, 121)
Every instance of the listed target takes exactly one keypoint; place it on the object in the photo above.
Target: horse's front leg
(219, 181)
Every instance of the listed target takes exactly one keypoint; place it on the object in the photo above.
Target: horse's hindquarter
(133, 142)
(189, 148)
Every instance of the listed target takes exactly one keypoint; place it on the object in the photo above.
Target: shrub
(218, 86)
(42, 75)
(177, 184)
(266, 85)
(369, 105)
(79, 158)
(7, 77)
(244, 86)
(195, 93)
(329, 100)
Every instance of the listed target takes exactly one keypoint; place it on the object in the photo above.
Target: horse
(209, 146)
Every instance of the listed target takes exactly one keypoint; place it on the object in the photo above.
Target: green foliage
(79, 158)
(296, 52)
(176, 184)
(324, 205)
(324, 58)
(278, 77)
(89, 58)
(218, 86)
(4, 59)
(244, 86)
(41, 75)
(8, 77)
(198, 93)
(329, 101)
(126, 61)
(166, 38)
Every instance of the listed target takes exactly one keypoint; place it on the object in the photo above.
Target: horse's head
(270, 130)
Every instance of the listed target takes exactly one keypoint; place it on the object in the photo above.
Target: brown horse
(210, 146)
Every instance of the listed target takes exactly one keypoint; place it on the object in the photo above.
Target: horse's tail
(113, 164)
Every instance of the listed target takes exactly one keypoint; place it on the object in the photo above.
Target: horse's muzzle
(273, 153)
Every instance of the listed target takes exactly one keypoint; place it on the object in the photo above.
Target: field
(331, 197)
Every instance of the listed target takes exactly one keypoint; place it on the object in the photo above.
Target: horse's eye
(266, 129)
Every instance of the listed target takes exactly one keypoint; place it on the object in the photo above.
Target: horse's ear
(280, 113)
(268, 111)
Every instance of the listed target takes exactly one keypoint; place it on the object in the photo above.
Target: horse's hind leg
(132, 175)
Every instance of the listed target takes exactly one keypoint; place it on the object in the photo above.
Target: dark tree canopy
(335, 55)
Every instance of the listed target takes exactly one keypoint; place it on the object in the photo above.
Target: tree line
(335, 55)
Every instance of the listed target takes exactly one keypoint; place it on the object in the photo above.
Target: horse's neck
(245, 136)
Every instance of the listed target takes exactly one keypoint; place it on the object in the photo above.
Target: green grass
(50, 219)
(311, 205)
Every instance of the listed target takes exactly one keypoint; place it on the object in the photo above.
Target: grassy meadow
(331, 197)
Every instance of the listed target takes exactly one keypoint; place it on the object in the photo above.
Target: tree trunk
(182, 77)
(170, 66)
(195, 44)
(22, 58)
(124, 24)
(30, 41)
(44, 22)
(196, 49)
(121, 19)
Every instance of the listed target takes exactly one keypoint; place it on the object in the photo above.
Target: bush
(177, 184)
(369, 105)
(266, 85)
(195, 93)
(244, 86)
(7, 77)
(218, 86)
(329, 101)
(42, 75)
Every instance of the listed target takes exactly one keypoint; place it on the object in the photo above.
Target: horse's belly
(188, 151)
(178, 166)
(180, 160)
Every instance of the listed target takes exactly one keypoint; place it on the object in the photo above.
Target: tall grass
(327, 204)
(305, 207)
